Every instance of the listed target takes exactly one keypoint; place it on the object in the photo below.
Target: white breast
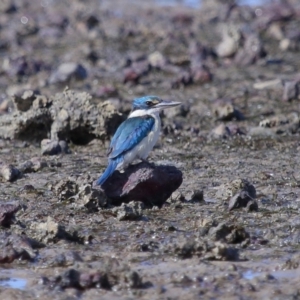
(142, 150)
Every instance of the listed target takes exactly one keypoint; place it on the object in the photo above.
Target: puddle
(14, 283)
(197, 3)
(189, 3)
(250, 274)
(286, 274)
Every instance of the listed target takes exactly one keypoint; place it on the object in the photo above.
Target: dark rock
(196, 196)
(69, 278)
(27, 189)
(92, 21)
(133, 280)
(7, 212)
(9, 172)
(67, 72)
(54, 147)
(142, 182)
(243, 199)
(15, 247)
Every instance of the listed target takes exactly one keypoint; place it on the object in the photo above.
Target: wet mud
(68, 74)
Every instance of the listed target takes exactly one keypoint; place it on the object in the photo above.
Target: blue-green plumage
(129, 134)
(136, 136)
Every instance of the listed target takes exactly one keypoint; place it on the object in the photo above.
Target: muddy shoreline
(230, 231)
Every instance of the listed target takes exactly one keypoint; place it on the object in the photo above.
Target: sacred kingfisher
(137, 135)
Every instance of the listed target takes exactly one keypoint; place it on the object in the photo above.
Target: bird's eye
(149, 103)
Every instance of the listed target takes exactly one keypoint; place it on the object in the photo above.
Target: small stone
(228, 190)
(38, 164)
(259, 131)
(24, 101)
(41, 101)
(243, 199)
(53, 147)
(9, 172)
(221, 131)
(131, 211)
(230, 41)
(177, 196)
(230, 233)
(4, 106)
(223, 109)
(92, 199)
(133, 280)
(157, 60)
(197, 196)
(50, 231)
(252, 51)
(268, 84)
(65, 189)
(15, 246)
(68, 71)
(201, 74)
(223, 252)
(28, 188)
(7, 212)
(291, 90)
(26, 167)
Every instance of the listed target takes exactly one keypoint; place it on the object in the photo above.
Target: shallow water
(14, 283)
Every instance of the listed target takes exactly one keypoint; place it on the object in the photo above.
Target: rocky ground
(217, 214)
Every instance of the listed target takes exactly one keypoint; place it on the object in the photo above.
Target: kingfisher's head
(152, 104)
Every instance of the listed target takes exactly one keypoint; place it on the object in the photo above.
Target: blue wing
(129, 134)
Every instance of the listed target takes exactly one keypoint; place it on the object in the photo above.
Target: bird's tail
(112, 165)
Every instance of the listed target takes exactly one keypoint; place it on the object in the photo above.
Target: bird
(137, 135)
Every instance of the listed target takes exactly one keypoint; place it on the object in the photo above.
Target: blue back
(130, 133)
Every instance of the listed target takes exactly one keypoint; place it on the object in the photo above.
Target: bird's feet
(152, 165)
